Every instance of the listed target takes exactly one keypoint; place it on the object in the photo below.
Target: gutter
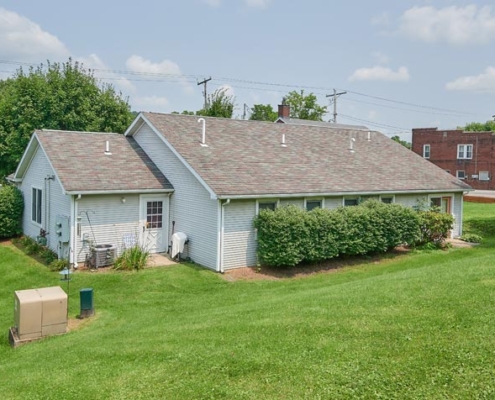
(133, 191)
(222, 232)
(335, 194)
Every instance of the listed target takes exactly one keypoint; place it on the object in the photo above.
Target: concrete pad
(159, 260)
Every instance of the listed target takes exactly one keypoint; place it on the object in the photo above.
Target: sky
(403, 64)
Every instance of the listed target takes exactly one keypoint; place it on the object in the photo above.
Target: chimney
(283, 110)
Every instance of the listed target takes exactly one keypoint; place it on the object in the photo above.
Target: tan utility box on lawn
(40, 312)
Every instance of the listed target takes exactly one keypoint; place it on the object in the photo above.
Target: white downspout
(73, 253)
(222, 232)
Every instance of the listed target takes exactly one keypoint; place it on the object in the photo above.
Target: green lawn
(421, 326)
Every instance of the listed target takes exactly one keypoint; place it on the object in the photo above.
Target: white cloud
(213, 3)
(103, 72)
(379, 73)
(454, 25)
(482, 82)
(166, 67)
(258, 3)
(23, 40)
(150, 103)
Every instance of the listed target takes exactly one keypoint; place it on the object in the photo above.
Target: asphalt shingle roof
(245, 158)
(81, 164)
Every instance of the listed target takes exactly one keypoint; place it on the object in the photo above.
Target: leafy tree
(220, 105)
(305, 106)
(61, 96)
(11, 208)
(185, 112)
(397, 139)
(263, 112)
(479, 126)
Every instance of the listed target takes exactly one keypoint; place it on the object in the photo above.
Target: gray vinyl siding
(54, 201)
(411, 200)
(110, 220)
(191, 207)
(239, 235)
(333, 202)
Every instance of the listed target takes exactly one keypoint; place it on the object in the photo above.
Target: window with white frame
(426, 151)
(484, 176)
(351, 202)
(312, 204)
(464, 151)
(387, 199)
(267, 205)
(460, 174)
(36, 205)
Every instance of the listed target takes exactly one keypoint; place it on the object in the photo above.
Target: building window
(460, 174)
(154, 214)
(36, 205)
(387, 199)
(267, 205)
(464, 151)
(426, 151)
(312, 204)
(351, 202)
(484, 176)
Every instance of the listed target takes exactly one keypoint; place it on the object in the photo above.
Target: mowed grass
(420, 326)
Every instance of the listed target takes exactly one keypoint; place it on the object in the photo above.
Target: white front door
(153, 222)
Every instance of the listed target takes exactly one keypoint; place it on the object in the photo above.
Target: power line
(251, 82)
(379, 124)
(403, 109)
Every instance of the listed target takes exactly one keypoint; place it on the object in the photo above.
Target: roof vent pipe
(107, 148)
(369, 136)
(283, 144)
(203, 137)
(351, 145)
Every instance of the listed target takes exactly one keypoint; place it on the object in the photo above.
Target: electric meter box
(40, 312)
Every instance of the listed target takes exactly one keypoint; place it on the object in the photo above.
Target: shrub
(290, 235)
(282, 235)
(132, 258)
(472, 238)
(58, 265)
(47, 255)
(434, 226)
(11, 208)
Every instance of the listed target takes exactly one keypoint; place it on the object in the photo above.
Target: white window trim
(321, 200)
(457, 174)
(487, 176)
(36, 223)
(349, 198)
(426, 146)
(464, 151)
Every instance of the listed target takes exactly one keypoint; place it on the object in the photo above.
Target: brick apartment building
(469, 156)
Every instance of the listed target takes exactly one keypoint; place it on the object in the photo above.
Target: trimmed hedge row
(290, 235)
(11, 208)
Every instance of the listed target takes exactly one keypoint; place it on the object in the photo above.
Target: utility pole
(335, 95)
(205, 94)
